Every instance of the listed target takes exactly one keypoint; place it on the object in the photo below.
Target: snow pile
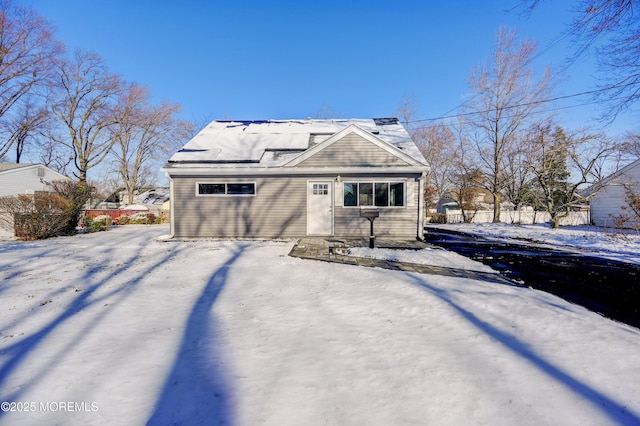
(130, 330)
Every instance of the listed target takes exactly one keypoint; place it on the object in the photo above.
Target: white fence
(522, 217)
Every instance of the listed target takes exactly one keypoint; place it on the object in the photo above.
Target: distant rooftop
(11, 166)
(271, 143)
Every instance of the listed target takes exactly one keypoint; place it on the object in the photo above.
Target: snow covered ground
(622, 245)
(121, 328)
(434, 256)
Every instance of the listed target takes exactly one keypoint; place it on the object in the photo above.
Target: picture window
(378, 194)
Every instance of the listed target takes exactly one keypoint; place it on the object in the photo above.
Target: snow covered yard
(622, 245)
(119, 328)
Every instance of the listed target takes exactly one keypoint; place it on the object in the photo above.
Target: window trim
(373, 184)
(226, 194)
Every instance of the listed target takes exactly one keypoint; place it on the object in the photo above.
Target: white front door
(319, 208)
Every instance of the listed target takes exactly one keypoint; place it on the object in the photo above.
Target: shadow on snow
(615, 411)
(197, 387)
(15, 354)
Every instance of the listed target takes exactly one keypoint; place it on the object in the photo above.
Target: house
(609, 206)
(294, 178)
(151, 199)
(16, 179)
(25, 178)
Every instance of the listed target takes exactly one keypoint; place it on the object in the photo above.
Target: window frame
(226, 189)
(390, 199)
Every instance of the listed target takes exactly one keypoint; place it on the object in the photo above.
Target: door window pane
(320, 189)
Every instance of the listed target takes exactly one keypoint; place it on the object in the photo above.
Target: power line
(557, 98)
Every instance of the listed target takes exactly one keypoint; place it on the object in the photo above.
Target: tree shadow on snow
(15, 354)
(196, 389)
(616, 412)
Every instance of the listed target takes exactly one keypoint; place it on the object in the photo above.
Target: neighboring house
(153, 199)
(293, 178)
(16, 179)
(609, 206)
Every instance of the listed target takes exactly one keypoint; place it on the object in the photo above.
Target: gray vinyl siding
(352, 151)
(278, 209)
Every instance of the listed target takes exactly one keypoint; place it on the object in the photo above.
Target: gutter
(288, 171)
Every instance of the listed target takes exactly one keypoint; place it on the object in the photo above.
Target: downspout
(420, 221)
(171, 206)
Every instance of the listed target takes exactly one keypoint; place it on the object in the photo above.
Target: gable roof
(355, 129)
(8, 168)
(275, 143)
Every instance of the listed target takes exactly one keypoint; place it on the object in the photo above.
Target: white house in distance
(609, 205)
(16, 179)
(294, 178)
(22, 178)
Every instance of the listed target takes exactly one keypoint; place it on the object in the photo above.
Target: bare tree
(505, 97)
(612, 30)
(632, 200)
(465, 178)
(142, 133)
(85, 109)
(24, 123)
(437, 143)
(406, 112)
(518, 185)
(630, 146)
(52, 156)
(27, 52)
(564, 164)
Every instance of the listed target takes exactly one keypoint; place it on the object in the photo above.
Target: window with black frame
(378, 194)
(226, 188)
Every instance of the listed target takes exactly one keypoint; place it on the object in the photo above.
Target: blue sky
(286, 59)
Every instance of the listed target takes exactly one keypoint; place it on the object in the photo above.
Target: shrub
(96, 224)
(44, 215)
(122, 220)
(35, 216)
(76, 194)
(438, 218)
(142, 218)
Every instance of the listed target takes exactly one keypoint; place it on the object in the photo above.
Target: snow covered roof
(272, 143)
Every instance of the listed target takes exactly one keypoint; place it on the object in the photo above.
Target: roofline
(297, 171)
(607, 181)
(31, 166)
(353, 128)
